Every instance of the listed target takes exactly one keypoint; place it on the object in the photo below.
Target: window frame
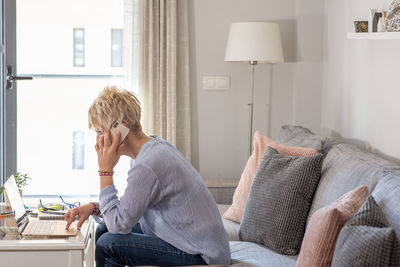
(2, 102)
(8, 110)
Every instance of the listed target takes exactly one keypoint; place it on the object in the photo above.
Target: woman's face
(100, 131)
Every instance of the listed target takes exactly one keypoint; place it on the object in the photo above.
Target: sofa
(344, 168)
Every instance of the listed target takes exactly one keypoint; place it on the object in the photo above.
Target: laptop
(34, 227)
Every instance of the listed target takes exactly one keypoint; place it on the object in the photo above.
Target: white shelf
(374, 35)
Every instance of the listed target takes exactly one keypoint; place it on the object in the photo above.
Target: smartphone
(119, 127)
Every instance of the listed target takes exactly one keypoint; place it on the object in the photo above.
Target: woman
(166, 216)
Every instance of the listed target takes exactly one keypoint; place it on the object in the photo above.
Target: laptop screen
(15, 199)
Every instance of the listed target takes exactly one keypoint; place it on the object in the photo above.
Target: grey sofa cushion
(293, 135)
(345, 168)
(279, 201)
(387, 195)
(366, 240)
(247, 254)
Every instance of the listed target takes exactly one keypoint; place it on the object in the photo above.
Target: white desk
(76, 251)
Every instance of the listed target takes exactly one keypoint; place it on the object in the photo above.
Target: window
(116, 48)
(78, 150)
(79, 47)
(55, 146)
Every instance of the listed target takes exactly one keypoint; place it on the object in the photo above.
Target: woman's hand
(107, 151)
(83, 212)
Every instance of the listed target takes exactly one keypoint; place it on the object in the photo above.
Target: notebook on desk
(34, 227)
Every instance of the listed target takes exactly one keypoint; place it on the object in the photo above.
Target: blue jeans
(137, 248)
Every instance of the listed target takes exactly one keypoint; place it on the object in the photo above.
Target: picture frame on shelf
(361, 26)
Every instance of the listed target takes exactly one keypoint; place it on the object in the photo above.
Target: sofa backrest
(293, 135)
(345, 168)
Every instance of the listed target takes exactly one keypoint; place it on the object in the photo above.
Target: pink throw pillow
(324, 227)
(260, 145)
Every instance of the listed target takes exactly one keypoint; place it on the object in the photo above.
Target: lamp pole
(252, 63)
(270, 99)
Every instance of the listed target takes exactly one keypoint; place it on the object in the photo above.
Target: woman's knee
(100, 230)
(105, 246)
(101, 250)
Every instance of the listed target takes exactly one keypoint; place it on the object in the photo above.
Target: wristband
(106, 173)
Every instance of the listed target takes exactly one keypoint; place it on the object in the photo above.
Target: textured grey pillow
(279, 201)
(367, 239)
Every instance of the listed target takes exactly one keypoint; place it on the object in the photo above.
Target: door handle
(11, 78)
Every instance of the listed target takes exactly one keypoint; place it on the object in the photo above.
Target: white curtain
(157, 50)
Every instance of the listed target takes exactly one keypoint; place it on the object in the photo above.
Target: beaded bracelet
(106, 173)
(96, 210)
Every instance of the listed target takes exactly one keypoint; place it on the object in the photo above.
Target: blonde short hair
(112, 105)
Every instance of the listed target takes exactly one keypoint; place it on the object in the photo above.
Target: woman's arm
(120, 215)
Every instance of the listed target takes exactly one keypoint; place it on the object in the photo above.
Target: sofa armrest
(232, 228)
(222, 189)
(222, 208)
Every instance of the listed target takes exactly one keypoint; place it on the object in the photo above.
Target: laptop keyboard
(42, 227)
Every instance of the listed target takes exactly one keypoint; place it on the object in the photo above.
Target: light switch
(222, 82)
(216, 82)
(209, 82)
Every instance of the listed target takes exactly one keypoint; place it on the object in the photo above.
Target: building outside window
(116, 47)
(78, 150)
(79, 47)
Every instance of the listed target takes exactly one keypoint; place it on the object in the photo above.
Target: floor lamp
(254, 42)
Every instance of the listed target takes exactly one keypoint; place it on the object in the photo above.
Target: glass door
(72, 49)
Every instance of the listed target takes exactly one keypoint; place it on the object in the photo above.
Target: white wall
(220, 119)
(360, 97)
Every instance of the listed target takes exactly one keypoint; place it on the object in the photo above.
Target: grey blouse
(167, 196)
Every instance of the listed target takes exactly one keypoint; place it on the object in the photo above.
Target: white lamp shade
(254, 41)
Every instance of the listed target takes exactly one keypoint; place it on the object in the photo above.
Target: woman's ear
(125, 123)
